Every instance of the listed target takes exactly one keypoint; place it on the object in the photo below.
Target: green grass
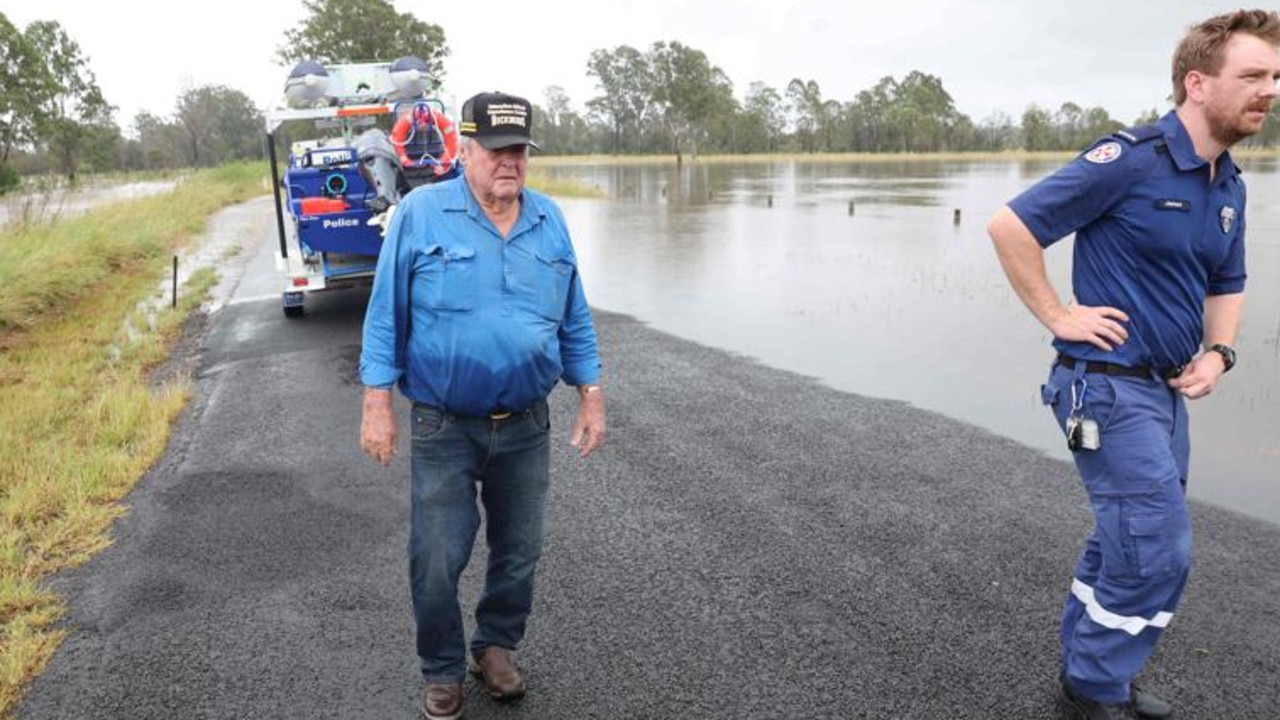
(562, 187)
(45, 268)
(80, 419)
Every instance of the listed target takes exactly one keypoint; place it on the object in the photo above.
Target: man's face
(1239, 97)
(495, 175)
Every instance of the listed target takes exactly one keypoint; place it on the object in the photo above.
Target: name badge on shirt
(1173, 204)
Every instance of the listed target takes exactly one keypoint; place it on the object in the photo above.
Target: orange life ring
(438, 126)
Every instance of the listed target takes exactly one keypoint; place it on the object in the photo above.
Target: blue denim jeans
(508, 462)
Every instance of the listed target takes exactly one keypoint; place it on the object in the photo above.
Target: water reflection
(891, 297)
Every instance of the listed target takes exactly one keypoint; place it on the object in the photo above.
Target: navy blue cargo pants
(1135, 564)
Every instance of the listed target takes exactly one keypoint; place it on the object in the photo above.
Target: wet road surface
(750, 544)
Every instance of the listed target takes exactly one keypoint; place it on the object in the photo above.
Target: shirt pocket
(554, 273)
(448, 278)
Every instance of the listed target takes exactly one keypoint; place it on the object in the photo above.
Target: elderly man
(1158, 214)
(477, 311)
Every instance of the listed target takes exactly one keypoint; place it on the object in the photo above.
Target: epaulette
(1140, 134)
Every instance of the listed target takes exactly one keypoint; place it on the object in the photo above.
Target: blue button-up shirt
(1154, 236)
(467, 321)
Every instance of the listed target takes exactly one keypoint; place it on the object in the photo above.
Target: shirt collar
(461, 199)
(1183, 150)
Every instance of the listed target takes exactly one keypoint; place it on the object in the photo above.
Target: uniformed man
(1158, 279)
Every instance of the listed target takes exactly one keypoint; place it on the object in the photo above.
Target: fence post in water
(955, 218)
(850, 208)
(175, 282)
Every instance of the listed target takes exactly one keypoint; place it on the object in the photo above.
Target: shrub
(8, 178)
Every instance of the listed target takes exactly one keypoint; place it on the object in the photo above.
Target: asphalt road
(750, 544)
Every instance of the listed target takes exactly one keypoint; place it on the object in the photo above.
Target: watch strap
(1228, 354)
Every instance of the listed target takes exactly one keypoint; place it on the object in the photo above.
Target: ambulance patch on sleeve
(1104, 153)
(1227, 218)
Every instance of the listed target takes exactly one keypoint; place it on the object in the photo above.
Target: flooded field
(50, 205)
(879, 279)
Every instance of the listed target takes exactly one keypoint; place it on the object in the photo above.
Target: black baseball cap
(498, 120)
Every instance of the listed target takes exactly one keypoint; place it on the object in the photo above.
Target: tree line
(669, 99)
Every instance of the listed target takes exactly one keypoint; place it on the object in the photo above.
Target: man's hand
(589, 428)
(378, 426)
(1022, 258)
(1200, 376)
(1099, 326)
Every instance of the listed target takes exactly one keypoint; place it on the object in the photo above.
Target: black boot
(1077, 707)
(1148, 705)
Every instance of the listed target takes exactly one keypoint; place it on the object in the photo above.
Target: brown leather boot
(442, 701)
(501, 677)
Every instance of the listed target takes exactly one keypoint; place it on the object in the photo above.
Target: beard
(1231, 126)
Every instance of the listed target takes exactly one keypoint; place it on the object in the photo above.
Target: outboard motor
(381, 167)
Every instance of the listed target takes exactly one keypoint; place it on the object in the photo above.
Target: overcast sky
(992, 55)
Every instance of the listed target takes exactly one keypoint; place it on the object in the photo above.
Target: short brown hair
(1204, 48)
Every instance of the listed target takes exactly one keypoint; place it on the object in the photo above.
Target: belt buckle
(500, 416)
(1173, 371)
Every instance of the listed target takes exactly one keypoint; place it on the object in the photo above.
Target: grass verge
(80, 421)
(562, 187)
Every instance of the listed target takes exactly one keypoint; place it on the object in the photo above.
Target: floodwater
(862, 276)
(47, 206)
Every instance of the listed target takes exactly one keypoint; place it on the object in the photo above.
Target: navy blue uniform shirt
(1153, 237)
(472, 323)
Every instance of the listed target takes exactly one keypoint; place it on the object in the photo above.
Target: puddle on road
(226, 246)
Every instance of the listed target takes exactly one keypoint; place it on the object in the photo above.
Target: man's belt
(1106, 368)
(496, 416)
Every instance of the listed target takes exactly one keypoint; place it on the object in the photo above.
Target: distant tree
(804, 100)
(1147, 118)
(161, 144)
(558, 103)
(220, 125)
(348, 31)
(763, 119)
(623, 77)
(995, 132)
(688, 93)
(1072, 132)
(23, 82)
(1097, 123)
(634, 113)
(74, 117)
(923, 113)
(962, 134)
(868, 116)
(1037, 129)
(547, 118)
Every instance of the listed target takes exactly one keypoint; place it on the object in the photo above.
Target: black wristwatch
(1228, 354)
